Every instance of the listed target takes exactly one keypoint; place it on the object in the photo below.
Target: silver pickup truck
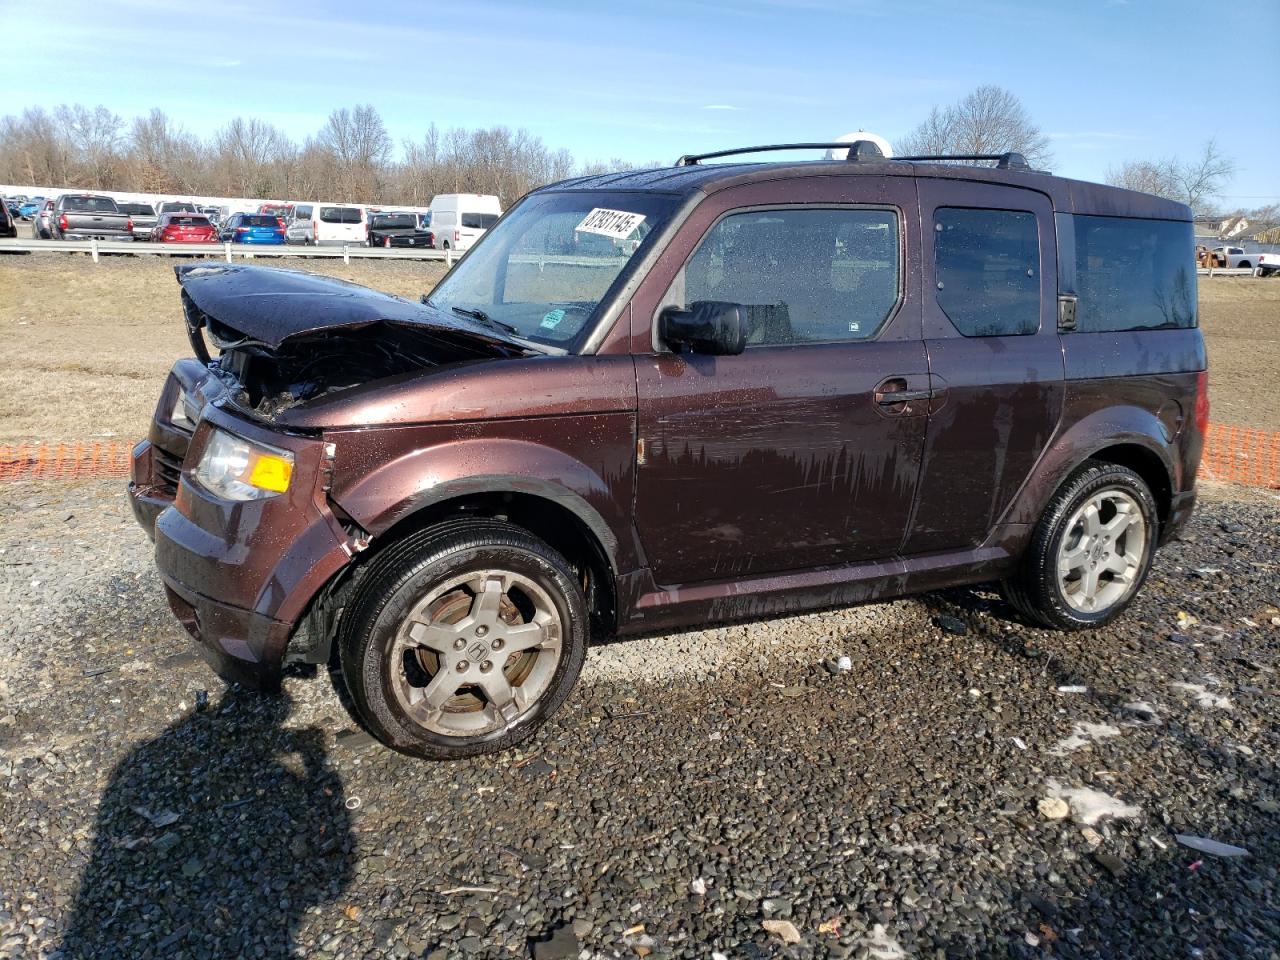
(84, 216)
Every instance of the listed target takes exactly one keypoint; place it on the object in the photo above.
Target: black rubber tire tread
(365, 626)
(1033, 589)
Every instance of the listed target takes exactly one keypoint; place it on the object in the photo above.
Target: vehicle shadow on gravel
(214, 839)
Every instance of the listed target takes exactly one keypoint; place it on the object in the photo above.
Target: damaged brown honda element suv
(650, 400)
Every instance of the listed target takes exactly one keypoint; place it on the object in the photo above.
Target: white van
(328, 224)
(460, 219)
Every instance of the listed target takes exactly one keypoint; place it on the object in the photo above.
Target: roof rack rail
(859, 150)
(1004, 161)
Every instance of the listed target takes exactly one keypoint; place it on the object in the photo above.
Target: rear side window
(1133, 274)
(804, 276)
(987, 268)
(340, 214)
(479, 221)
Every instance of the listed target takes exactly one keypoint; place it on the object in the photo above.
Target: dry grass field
(84, 347)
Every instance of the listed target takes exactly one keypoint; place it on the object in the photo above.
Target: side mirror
(713, 327)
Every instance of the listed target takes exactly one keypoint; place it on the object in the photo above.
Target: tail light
(279, 225)
(315, 229)
(62, 222)
(457, 237)
(1202, 402)
(128, 224)
(242, 229)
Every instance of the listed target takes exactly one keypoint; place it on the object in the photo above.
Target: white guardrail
(227, 251)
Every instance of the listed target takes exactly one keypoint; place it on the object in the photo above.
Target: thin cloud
(721, 106)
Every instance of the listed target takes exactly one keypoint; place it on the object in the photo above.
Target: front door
(796, 453)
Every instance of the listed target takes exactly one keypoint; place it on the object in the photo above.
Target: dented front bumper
(239, 575)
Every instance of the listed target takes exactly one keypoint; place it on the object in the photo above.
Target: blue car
(252, 228)
(30, 208)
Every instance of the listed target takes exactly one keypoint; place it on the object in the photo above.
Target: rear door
(794, 454)
(995, 361)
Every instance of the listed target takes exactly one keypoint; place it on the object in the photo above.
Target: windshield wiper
(484, 318)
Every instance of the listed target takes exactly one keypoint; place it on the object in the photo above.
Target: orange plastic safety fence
(1231, 455)
(64, 461)
(1241, 455)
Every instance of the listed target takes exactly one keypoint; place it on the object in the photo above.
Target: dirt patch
(84, 347)
(1240, 318)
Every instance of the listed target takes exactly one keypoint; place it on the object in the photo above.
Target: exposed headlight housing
(235, 469)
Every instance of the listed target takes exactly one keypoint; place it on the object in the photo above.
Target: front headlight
(235, 469)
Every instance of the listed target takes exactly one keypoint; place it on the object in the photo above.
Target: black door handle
(902, 396)
(894, 390)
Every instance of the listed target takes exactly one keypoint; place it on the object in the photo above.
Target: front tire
(463, 639)
(1090, 552)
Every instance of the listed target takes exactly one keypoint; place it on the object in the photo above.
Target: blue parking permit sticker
(552, 319)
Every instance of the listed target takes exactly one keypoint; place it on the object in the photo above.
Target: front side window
(1134, 274)
(547, 267)
(806, 275)
(987, 270)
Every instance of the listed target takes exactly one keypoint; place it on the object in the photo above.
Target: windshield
(547, 266)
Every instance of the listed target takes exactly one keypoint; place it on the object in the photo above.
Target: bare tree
(96, 140)
(1197, 182)
(246, 157)
(989, 120)
(360, 146)
(351, 157)
(163, 157)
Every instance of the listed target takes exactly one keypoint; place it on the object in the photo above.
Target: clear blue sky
(1108, 80)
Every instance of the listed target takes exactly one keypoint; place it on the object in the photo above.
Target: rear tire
(462, 639)
(1091, 551)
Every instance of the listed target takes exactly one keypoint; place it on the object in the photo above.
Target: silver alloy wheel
(1102, 554)
(476, 653)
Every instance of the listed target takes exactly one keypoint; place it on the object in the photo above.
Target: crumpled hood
(270, 305)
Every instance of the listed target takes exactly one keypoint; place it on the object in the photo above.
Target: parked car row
(454, 221)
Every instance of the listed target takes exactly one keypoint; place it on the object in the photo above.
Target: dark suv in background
(779, 387)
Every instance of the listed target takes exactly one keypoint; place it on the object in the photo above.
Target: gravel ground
(702, 794)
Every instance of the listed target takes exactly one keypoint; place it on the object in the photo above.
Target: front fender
(435, 469)
(1086, 436)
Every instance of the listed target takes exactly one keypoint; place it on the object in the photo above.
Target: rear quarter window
(1132, 274)
(987, 269)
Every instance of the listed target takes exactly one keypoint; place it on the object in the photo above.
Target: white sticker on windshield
(610, 223)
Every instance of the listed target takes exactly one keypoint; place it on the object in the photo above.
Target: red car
(184, 228)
